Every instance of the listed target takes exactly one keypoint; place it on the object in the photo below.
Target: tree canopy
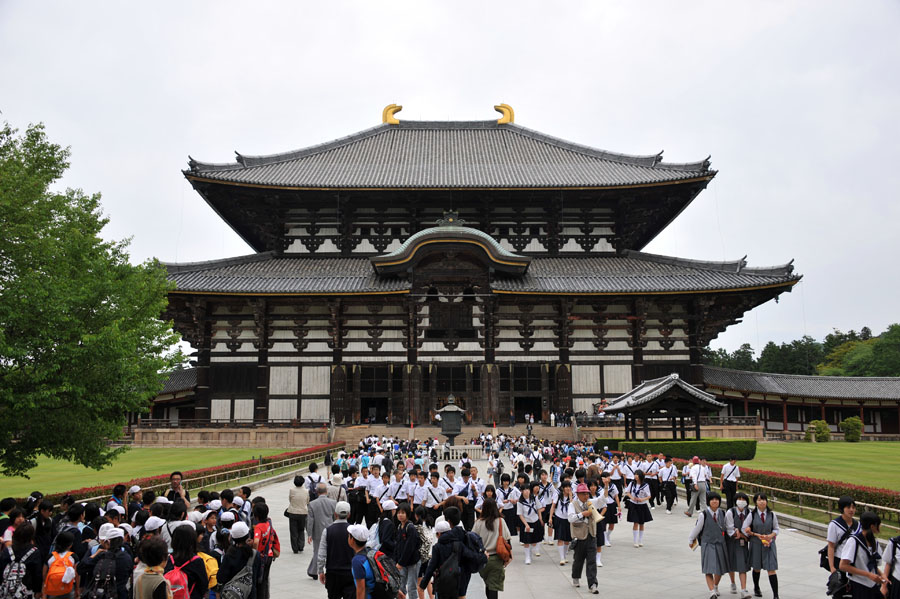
(839, 354)
(81, 340)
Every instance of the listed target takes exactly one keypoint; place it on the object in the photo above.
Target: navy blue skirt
(639, 513)
(535, 536)
(562, 531)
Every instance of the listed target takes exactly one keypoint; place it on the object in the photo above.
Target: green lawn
(53, 476)
(870, 463)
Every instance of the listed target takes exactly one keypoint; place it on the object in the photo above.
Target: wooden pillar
(338, 394)
(822, 408)
(638, 331)
(784, 422)
(746, 404)
(203, 328)
(683, 434)
(261, 326)
(545, 393)
(355, 406)
(862, 416)
(645, 419)
(697, 424)
(674, 429)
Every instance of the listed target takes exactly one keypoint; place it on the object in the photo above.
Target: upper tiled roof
(467, 154)
(639, 272)
(652, 389)
(795, 385)
(180, 380)
(633, 272)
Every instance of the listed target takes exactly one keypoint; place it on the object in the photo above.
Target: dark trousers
(468, 515)
(340, 585)
(372, 512)
(654, 492)
(262, 589)
(585, 555)
(668, 490)
(729, 487)
(298, 531)
(689, 489)
(620, 484)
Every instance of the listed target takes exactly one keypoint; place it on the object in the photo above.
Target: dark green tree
(81, 340)
(886, 353)
(800, 356)
(740, 359)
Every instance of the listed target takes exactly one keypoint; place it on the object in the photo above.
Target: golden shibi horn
(387, 115)
(509, 116)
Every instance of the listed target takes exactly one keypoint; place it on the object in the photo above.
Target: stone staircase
(351, 434)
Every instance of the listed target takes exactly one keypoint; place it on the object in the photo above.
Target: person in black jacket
(406, 549)
(448, 535)
(24, 550)
(387, 533)
(237, 556)
(111, 547)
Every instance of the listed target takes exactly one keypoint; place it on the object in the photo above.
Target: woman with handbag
(495, 536)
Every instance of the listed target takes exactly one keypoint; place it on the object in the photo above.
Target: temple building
(418, 259)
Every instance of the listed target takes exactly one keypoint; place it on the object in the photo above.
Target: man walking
(584, 536)
(700, 475)
(321, 515)
(333, 560)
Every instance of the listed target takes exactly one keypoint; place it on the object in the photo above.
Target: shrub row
(712, 449)
(818, 486)
(612, 444)
(206, 475)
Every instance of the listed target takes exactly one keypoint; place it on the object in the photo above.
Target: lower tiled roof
(180, 380)
(629, 272)
(795, 385)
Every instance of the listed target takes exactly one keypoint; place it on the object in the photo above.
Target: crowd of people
(139, 544)
(390, 519)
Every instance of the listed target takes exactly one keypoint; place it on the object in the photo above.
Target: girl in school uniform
(489, 493)
(509, 495)
(710, 532)
(737, 543)
(638, 493)
(891, 558)
(532, 530)
(613, 507)
(562, 532)
(762, 528)
(860, 557)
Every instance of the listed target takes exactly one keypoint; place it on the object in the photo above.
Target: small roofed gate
(664, 399)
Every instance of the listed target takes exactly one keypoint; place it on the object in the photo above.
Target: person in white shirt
(562, 532)
(860, 557)
(584, 532)
(839, 531)
(736, 542)
(701, 475)
(667, 475)
(686, 478)
(434, 496)
(532, 530)
(638, 513)
(728, 480)
(546, 495)
(762, 529)
(651, 468)
(509, 495)
(891, 557)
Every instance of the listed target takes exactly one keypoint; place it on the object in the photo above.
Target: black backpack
(103, 582)
(475, 543)
(823, 552)
(446, 579)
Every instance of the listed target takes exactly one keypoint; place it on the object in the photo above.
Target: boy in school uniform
(434, 496)
(728, 480)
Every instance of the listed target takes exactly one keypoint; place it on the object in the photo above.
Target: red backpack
(178, 580)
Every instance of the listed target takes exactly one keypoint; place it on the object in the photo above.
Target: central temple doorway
(374, 410)
(528, 405)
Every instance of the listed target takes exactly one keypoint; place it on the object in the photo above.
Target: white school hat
(118, 508)
(227, 516)
(116, 533)
(153, 523)
(442, 527)
(103, 533)
(134, 489)
(390, 504)
(238, 501)
(215, 505)
(358, 532)
(240, 531)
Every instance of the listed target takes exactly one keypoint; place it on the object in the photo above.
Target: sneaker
(607, 544)
(562, 563)
(636, 545)
(652, 507)
(576, 582)
(733, 589)
(668, 511)
(527, 561)
(599, 563)
(745, 594)
(757, 592)
(640, 544)
(714, 595)
(688, 514)
(536, 552)
(594, 589)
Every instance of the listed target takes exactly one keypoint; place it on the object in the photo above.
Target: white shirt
(731, 473)
(700, 473)
(835, 532)
(434, 495)
(547, 494)
(857, 553)
(529, 509)
(508, 496)
(668, 473)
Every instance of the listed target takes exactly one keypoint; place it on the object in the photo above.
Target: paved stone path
(664, 567)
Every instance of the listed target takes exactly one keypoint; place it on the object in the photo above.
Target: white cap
(128, 529)
(390, 504)
(442, 527)
(103, 533)
(227, 516)
(154, 523)
(195, 516)
(116, 533)
(239, 531)
(134, 489)
(162, 499)
(342, 507)
(238, 501)
(358, 532)
(209, 513)
(118, 508)
(215, 505)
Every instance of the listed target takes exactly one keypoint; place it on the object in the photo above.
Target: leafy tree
(852, 428)
(740, 359)
(81, 341)
(800, 356)
(886, 353)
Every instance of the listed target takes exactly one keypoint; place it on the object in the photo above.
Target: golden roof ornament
(509, 116)
(387, 115)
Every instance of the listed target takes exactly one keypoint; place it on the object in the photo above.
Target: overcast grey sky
(797, 102)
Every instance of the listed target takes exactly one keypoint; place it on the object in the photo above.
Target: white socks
(527, 555)
(634, 535)
(606, 535)
(640, 536)
(562, 552)
(599, 561)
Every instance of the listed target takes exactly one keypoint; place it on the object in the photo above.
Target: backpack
(474, 542)
(374, 542)
(387, 576)
(103, 583)
(425, 542)
(13, 575)
(446, 578)
(53, 584)
(241, 585)
(178, 580)
(823, 552)
(212, 568)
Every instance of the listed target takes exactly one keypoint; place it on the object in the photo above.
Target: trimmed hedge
(712, 449)
(612, 444)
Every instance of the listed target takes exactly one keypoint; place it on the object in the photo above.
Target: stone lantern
(451, 419)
